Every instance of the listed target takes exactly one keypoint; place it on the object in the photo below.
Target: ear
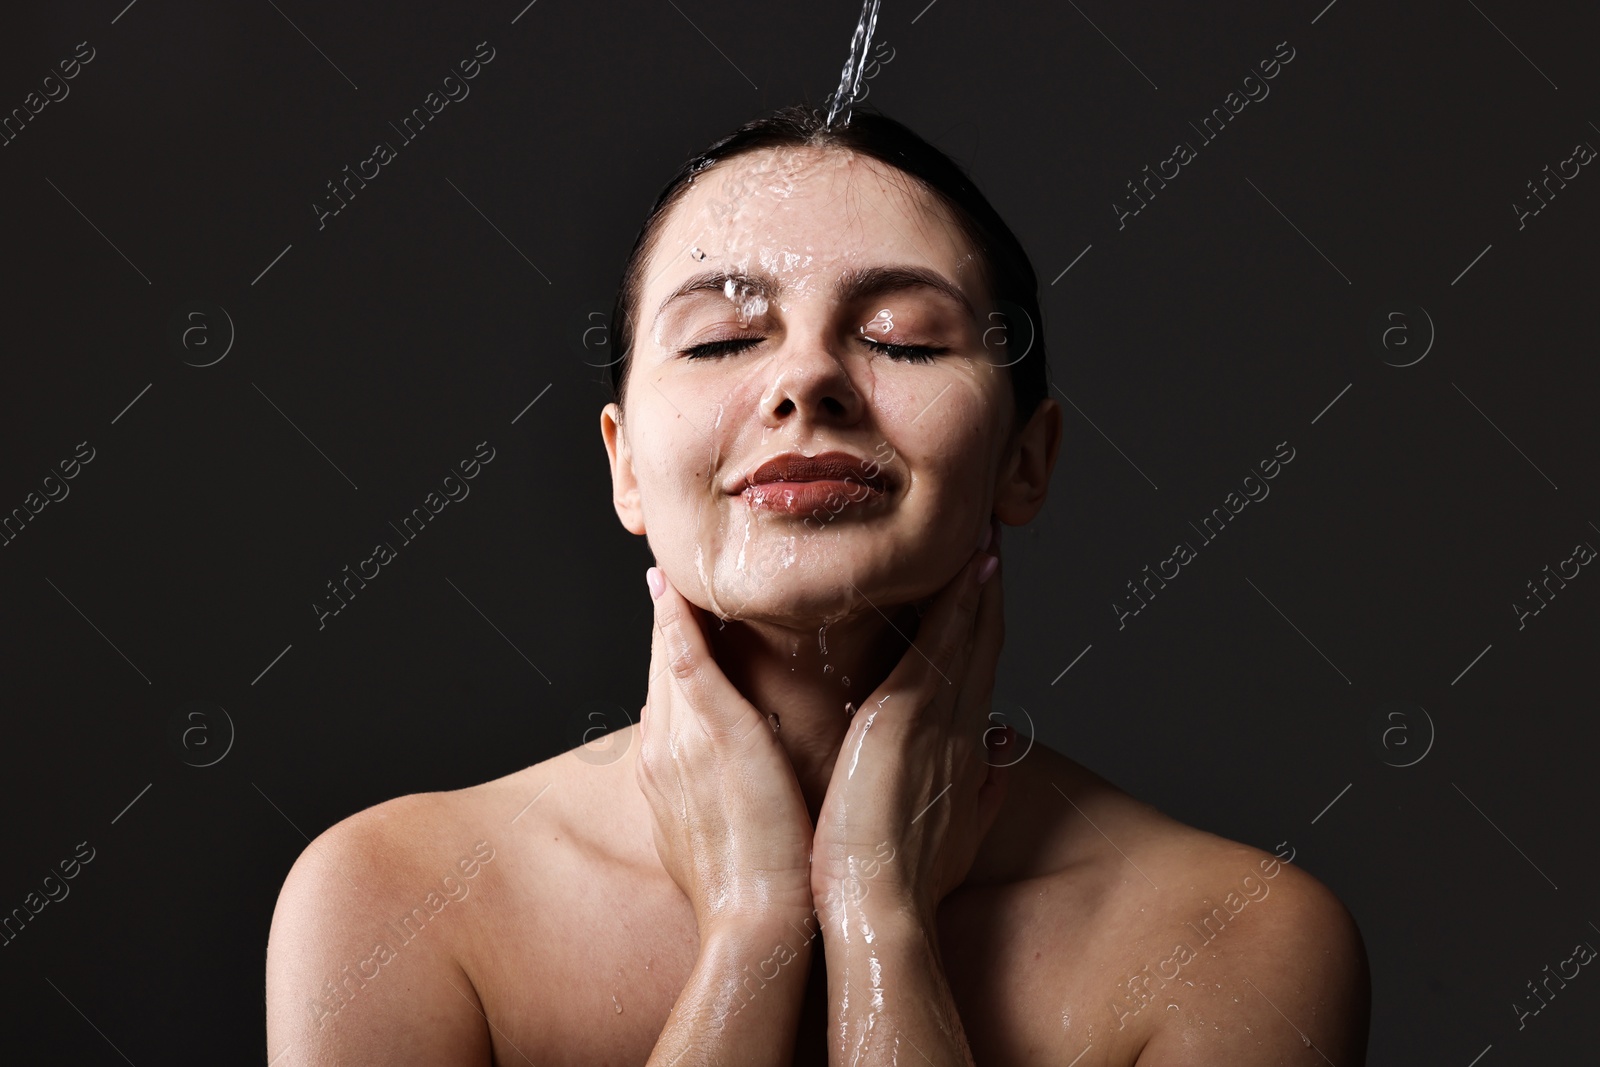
(624, 486)
(1024, 478)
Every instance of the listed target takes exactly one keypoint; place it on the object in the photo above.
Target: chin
(791, 598)
(793, 614)
(806, 593)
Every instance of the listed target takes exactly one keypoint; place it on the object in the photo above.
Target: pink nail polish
(987, 568)
(652, 578)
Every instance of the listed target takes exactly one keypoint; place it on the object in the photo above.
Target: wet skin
(1039, 947)
(955, 905)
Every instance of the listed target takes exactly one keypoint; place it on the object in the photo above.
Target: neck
(784, 671)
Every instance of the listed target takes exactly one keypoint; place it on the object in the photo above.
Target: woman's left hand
(913, 793)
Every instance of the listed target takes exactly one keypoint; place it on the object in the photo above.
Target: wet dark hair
(1005, 268)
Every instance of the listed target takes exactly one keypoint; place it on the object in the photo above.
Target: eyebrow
(852, 285)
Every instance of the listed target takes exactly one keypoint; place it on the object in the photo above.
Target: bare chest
(586, 972)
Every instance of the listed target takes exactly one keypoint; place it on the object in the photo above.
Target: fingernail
(652, 578)
(987, 568)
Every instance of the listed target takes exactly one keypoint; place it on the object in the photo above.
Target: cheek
(670, 465)
(950, 440)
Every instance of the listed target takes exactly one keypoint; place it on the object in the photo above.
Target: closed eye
(906, 353)
(721, 348)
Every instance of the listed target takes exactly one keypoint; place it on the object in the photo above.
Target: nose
(811, 383)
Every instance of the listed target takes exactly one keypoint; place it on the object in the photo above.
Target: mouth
(826, 483)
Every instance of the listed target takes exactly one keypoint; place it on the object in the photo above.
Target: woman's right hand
(731, 824)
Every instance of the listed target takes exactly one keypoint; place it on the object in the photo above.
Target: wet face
(813, 425)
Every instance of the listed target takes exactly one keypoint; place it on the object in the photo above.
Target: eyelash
(905, 353)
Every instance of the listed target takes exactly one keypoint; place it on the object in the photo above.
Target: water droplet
(882, 322)
(849, 709)
(696, 254)
(822, 639)
(617, 1002)
(772, 718)
(1305, 1040)
(827, 668)
(845, 681)
(1172, 1007)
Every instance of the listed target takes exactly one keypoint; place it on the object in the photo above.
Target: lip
(801, 484)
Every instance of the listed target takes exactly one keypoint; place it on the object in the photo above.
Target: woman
(814, 847)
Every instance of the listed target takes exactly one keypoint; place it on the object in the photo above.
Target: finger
(659, 723)
(690, 666)
(992, 792)
(987, 636)
(938, 655)
(924, 669)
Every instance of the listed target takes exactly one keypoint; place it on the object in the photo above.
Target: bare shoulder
(1261, 963)
(365, 960)
(1192, 949)
(1268, 967)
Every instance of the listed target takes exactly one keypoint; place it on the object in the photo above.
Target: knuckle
(679, 653)
(946, 653)
(680, 662)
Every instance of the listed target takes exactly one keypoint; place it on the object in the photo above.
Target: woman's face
(813, 425)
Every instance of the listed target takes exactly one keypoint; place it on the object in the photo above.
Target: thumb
(992, 793)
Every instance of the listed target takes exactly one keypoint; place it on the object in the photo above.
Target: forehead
(808, 214)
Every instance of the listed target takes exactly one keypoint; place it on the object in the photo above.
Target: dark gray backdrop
(1360, 617)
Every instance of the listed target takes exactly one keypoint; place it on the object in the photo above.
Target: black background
(1249, 695)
